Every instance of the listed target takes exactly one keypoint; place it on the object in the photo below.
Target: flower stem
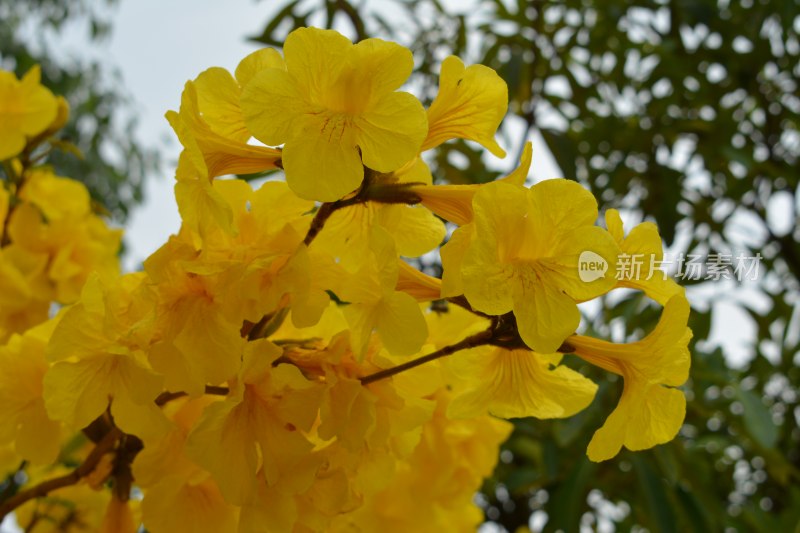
(473, 341)
(166, 397)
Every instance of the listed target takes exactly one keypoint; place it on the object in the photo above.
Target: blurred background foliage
(685, 112)
(113, 165)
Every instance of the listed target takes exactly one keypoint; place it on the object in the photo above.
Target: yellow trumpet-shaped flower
(119, 517)
(214, 141)
(26, 109)
(54, 224)
(375, 304)
(180, 505)
(420, 286)
(415, 229)
(649, 412)
(347, 233)
(23, 419)
(268, 412)
(522, 254)
(454, 202)
(219, 92)
(444, 471)
(334, 107)
(211, 128)
(211, 112)
(178, 494)
(471, 103)
(517, 384)
(198, 343)
(97, 351)
(643, 253)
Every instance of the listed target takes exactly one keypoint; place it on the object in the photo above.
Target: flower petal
(390, 133)
(470, 105)
(546, 316)
(322, 168)
(519, 383)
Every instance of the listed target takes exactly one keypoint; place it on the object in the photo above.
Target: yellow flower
(362, 418)
(23, 418)
(209, 153)
(470, 105)
(444, 470)
(454, 202)
(415, 229)
(373, 303)
(335, 107)
(518, 384)
(97, 351)
(643, 254)
(119, 517)
(55, 224)
(199, 343)
(214, 123)
(25, 293)
(218, 95)
(177, 504)
(521, 254)
(178, 494)
(55, 228)
(58, 198)
(422, 287)
(267, 412)
(649, 412)
(347, 233)
(26, 109)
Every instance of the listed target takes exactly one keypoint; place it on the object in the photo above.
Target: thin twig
(462, 302)
(324, 213)
(166, 397)
(473, 341)
(11, 482)
(371, 190)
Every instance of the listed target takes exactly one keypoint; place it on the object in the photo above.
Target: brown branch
(473, 341)
(373, 189)
(462, 302)
(128, 450)
(503, 333)
(323, 214)
(11, 482)
(83, 470)
(166, 397)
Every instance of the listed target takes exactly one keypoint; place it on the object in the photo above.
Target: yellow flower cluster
(278, 365)
(51, 241)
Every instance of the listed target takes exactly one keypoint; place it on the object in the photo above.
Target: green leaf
(267, 36)
(569, 499)
(660, 517)
(563, 149)
(757, 419)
